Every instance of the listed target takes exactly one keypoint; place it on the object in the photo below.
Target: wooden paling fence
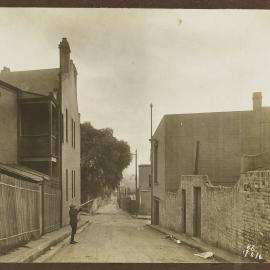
(20, 207)
(27, 210)
(52, 206)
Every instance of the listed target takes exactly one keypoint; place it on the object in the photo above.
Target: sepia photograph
(131, 135)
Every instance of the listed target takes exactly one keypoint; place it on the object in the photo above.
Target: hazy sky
(182, 61)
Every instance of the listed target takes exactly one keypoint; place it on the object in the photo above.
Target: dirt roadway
(114, 236)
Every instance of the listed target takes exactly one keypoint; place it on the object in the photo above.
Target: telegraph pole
(151, 160)
(136, 180)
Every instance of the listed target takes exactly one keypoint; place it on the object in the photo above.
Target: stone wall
(231, 217)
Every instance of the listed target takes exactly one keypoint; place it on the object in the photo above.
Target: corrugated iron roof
(24, 172)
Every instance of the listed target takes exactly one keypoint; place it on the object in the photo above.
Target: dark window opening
(66, 184)
(74, 184)
(74, 144)
(72, 130)
(62, 128)
(66, 125)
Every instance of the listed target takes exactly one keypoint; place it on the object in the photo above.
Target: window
(66, 125)
(73, 190)
(62, 128)
(74, 184)
(74, 133)
(66, 184)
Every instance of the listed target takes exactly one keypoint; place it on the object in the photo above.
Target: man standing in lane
(73, 216)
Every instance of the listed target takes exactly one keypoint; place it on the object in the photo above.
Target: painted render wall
(231, 217)
(144, 173)
(8, 126)
(224, 138)
(70, 155)
(159, 186)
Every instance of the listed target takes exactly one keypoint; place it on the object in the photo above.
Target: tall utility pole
(151, 160)
(136, 181)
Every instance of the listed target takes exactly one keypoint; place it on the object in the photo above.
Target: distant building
(40, 127)
(145, 189)
(209, 144)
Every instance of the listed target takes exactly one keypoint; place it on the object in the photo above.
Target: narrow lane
(114, 236)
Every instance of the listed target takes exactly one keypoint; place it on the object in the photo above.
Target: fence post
(40, 210)
(43, 207)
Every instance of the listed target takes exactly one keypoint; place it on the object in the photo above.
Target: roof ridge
(28, 70)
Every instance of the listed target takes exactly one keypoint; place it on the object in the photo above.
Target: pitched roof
(41, 81)
(24, 172)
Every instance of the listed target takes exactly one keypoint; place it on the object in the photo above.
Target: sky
(181, 61)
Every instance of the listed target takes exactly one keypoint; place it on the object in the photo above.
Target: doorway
(156, 211)
(184, 210)
(197, 212)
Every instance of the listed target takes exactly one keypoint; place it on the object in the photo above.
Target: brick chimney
(64, 56)
(257, 101)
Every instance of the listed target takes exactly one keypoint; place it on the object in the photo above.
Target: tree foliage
(103, 159)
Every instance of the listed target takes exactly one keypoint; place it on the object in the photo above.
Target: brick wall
(231, 217)
(255, 162)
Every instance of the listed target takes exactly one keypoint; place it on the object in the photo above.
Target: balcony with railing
(43, 145)
(38, 135)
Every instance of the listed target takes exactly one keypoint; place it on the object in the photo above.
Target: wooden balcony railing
(38, 146)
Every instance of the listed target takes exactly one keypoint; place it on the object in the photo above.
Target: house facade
(40, 129)
(145, 189)
(209, 144)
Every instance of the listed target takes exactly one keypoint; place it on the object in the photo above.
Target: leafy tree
(103, 159)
